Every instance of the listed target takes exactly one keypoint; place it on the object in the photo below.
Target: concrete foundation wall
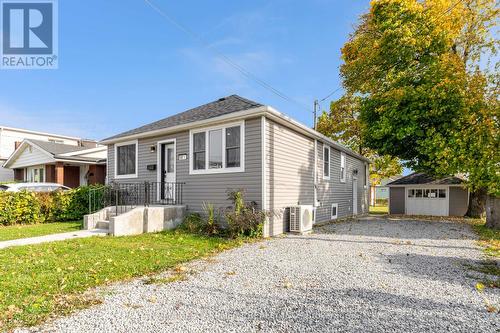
(146, 219)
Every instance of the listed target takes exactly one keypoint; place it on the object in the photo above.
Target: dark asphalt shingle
(425, 179)
(220, 107)
(56, 148)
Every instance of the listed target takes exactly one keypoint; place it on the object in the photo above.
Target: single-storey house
(69, 165)
(421, 194)
(235, 143)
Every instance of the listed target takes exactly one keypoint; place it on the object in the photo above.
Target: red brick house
(69, 165)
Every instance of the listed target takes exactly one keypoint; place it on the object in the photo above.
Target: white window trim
(134, 175)
(325, 147)
(30, 169)
(224, 169)
(344, 175)
(334, 217)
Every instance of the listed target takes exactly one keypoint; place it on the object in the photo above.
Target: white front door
(167, 173)
(354, 196)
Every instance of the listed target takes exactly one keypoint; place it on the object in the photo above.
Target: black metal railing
(126, 196)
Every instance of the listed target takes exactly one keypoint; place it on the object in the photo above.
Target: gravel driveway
(368, 276)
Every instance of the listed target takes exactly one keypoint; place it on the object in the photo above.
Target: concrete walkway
(53, 237)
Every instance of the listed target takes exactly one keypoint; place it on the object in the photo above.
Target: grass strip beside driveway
(46, 279)
(33, 230)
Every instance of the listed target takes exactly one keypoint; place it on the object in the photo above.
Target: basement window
(334, 211)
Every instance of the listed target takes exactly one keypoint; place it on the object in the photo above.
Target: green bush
(31, 208)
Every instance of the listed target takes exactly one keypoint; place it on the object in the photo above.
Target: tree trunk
(477, 204)
(493, 212)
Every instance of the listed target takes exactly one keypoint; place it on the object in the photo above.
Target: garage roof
(425, 179)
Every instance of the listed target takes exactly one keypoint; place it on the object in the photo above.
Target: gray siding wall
(5, 174)
(289, 172)
(332, 190)
(397, 200)
(208, 187)
(458, 201)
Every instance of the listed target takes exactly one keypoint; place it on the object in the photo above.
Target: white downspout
(315, 185)
(263, 167)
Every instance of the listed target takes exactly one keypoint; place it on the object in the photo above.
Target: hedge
(32, 208)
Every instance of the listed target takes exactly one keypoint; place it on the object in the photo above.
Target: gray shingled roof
(220, 107)
(425, 179)
(56, 148)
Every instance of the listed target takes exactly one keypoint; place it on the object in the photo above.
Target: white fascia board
(258, 111)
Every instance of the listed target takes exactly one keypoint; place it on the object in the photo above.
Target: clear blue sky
(122, 65)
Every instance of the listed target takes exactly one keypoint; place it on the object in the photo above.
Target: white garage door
(427, 201)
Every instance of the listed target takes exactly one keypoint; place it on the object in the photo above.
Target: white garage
(421, 194)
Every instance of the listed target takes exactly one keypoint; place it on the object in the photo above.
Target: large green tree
(342, 124)
(424, 97)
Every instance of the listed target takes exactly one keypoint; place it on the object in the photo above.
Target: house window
(342, 167)
(326, 162)
(215, 149)
(233, 142)
(199, 149)
(221, 146)
(35, 175)
(427, 193)
(334, 211)
(126, 159)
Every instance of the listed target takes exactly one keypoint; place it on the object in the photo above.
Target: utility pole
(316, 104)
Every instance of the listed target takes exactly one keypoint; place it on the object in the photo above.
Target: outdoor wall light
(355, 171)
(152, 149)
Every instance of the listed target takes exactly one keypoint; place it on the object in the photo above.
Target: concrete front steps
(135, 221)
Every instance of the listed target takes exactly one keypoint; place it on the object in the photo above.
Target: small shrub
(193, 223)
(30, 208)
(20, 208)
(244, 219)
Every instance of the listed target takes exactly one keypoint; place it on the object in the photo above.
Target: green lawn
(25, 231)
(39, 280)
(379, 210)
(489, 239)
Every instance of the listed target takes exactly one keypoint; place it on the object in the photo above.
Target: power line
(398, 62)
(245, 72)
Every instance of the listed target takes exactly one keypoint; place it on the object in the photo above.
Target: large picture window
(218, 149)
(126, 160)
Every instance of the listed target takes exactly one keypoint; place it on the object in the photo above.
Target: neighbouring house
(235, 143)
(11, 138)
(69, 165)
(379, 194)
(421, 194)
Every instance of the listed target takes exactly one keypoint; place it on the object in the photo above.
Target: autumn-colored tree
(423, 96)
(342, 124)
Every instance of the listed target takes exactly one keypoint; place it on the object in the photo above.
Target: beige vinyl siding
(203, 187)
(332, 190)
(289, 173)
(30, 158)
